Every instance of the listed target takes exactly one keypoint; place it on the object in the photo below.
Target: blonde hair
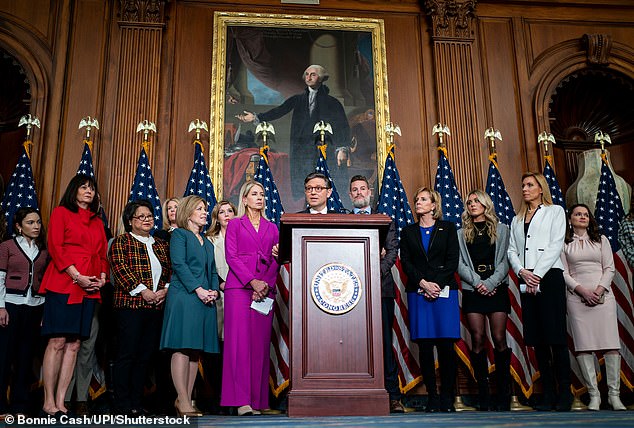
(186, 208)
(543, 184)
(244, 191)
(166, 222)
(491, 219)
(214, 230)
(435, 198)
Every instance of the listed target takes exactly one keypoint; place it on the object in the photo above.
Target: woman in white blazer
(535, 245)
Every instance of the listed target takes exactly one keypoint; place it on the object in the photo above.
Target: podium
(335, 313)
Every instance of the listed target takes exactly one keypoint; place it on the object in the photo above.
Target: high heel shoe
(179, 412)
(245, 411)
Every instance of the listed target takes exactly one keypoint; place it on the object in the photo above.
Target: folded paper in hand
(263, 307)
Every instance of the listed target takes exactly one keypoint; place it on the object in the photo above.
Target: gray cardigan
(470, 277)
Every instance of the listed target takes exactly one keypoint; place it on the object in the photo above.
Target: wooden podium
(335, 313)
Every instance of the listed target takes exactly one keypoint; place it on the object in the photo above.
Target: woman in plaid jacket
(141, 269)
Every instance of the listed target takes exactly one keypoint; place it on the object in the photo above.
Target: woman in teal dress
(189, 324)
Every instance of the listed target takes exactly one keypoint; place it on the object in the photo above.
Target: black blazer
(307, 211)
(391, 253)
(439, 264)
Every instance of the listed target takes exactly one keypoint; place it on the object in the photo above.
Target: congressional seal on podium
(336, 288)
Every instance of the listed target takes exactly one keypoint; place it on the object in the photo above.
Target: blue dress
(433, 319)
(188, 323)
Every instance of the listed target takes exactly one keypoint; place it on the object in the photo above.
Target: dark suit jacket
(307, 211)
(303, 154)
(438, 264)
(391, 253)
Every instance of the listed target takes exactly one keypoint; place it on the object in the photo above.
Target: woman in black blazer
(429, 255)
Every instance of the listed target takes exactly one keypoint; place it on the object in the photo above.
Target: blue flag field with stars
(263, 175)
(393, 199)
(445, 184)
(334, 201)
(497, 191)
(199, 182)
(20, 191)
(609, 209)
(143, 187)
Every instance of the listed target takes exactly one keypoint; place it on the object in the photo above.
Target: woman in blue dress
(429, 255)
(189, 323)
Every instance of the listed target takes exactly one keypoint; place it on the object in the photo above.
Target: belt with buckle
(484, 268)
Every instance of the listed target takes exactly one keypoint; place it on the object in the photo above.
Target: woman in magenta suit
(250, 243)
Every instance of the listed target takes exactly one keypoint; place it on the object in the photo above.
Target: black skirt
(544, 314)
(65, 320)
(474, 302)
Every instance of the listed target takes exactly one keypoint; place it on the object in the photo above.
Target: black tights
(446, 362)
(477, 328)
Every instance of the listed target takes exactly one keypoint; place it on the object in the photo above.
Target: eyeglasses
(143, 217)
(317, 189)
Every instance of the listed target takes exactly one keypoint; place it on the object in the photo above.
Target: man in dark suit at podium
(317, 190)
(360, 193)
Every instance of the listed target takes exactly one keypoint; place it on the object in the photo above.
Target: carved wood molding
(142, 12)
(598, 47)
(455, 83)
(137, 99)
(452, 18)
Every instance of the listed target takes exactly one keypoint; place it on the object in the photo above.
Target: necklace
(479, 231)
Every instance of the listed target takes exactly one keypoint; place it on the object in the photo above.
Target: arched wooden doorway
(15, 101)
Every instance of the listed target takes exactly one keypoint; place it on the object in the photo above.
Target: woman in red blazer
(249, 245)
(77, 246)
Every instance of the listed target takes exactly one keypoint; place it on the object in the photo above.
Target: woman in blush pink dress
(250, 243)
(588, 272)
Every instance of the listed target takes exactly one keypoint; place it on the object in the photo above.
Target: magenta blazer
(248, 253)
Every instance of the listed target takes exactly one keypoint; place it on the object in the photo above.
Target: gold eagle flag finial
(391, 129)
(29, 121)
(441, 130)
(264, 129)
(146, 126)
(89, 123)
(546, 138)
(197, 125)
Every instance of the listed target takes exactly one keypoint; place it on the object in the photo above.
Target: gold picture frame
(240, 39)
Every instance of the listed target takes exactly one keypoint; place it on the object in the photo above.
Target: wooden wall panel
(405, 70)
(497, 56)
(191, 89)
(83, 89)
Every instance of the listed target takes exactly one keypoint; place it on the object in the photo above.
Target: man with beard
(360, 194)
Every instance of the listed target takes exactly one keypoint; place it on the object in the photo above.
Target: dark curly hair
(593, 227)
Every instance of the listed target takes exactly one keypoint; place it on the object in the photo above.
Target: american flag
(553, 184)
(279, 370)
(20, 190)
(445, 184)
(497, 191)
(199, 182)
(334, 201)
(263, 175)
(85, 164)
(522, 368)
(609, 212)
(86, 168)
(452, 208)
(143, 188)
(393, 202)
